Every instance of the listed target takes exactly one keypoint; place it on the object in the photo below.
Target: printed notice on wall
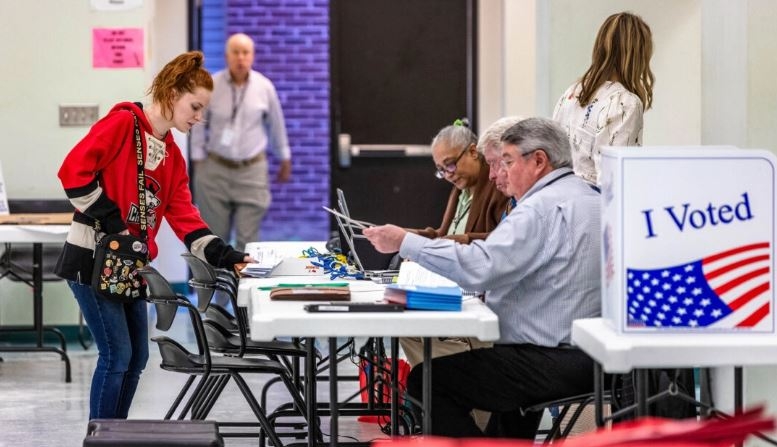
(117, 47)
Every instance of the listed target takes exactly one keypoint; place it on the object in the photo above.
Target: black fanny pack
(117, 258)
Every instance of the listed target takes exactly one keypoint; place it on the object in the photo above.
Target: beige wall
(675, 116)
(762, 74)
(547, 46)
(46, 52)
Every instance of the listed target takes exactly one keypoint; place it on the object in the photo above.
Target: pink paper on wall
(117, 48)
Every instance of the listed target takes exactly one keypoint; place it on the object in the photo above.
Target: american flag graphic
(730, 289)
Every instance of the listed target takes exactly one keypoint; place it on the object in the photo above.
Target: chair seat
(177, 358)
(222, 340)
(136, 432)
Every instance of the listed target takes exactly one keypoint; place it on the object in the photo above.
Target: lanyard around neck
(237, 99)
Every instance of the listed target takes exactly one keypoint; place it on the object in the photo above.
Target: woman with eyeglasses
(475, 206)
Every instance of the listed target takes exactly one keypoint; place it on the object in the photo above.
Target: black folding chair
(176, 358)
(575, 404)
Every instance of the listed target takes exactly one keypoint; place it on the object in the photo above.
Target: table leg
(738, 392)
(333, 400)
(37, 291)
(394, 387)
(598, 395)
(310, 390)
(37, 315)
(295, 369)
(427, 386)
(642, 392)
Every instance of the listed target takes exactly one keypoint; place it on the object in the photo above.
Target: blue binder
(425, 298)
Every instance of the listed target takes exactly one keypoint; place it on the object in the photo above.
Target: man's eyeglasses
(507, 164)
(450, 168)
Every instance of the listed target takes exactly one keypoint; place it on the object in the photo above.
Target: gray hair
(493, 135)
(455, 135)
(532, 134)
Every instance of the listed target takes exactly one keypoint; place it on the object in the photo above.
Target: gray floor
(37, 407)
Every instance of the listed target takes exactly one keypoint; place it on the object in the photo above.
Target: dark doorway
(400, 71)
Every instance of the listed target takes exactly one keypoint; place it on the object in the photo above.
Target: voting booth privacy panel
(688, 237)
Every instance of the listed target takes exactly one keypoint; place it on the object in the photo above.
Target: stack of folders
(424, 298)
(419, 288)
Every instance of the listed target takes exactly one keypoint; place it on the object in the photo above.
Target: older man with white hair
(540, 269)
(231, 186)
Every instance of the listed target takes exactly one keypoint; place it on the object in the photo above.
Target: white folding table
(270, 319)
(619, 353)
(37, 235)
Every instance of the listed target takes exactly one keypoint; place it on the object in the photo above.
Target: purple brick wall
(292, 49)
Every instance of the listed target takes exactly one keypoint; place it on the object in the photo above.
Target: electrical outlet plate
(78, 114)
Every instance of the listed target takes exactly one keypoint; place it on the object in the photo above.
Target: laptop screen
(355, 246)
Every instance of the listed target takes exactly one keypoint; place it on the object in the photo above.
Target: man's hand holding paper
(385, 238)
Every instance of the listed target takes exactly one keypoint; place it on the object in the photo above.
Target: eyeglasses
(507, 164)
(450, 168)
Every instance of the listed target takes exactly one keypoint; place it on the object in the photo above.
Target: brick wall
(292, 49)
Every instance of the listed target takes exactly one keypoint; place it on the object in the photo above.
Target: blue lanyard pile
(334, 264)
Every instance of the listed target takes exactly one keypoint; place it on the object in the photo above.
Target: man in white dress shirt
(231, 185)
(540, 269)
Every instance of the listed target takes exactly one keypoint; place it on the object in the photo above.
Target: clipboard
(314, 293)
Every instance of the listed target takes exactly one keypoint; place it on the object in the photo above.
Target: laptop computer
(356, 246)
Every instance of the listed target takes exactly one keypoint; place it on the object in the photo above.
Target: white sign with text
(688, 239)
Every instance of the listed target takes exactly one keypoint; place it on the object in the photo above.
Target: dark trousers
(503, 380)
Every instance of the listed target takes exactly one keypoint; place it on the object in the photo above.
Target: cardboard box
(688, 239)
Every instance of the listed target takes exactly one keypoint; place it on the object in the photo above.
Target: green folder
(305, 284)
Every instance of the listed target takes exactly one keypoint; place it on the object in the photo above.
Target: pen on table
(298, 285)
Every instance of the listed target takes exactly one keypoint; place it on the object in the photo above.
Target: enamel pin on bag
(117, 257)
(117, 260)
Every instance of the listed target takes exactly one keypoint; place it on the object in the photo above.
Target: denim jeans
(120, 332)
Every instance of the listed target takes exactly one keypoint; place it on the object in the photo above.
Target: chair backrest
(162, 295)
(167, 302)
(204, 280)
(17, 258)
(207, 282)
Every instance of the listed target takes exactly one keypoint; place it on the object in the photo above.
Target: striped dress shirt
(540, 267)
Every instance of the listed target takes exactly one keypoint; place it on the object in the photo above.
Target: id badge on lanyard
(228, 134)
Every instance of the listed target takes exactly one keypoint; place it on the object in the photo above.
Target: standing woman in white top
(604, 108)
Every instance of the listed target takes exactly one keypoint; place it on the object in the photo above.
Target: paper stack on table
(419, 288)
(266, 259)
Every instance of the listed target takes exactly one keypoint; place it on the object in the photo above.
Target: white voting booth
(688, 240)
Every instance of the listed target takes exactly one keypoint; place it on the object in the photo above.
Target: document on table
(412, 274)
(267, 260)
